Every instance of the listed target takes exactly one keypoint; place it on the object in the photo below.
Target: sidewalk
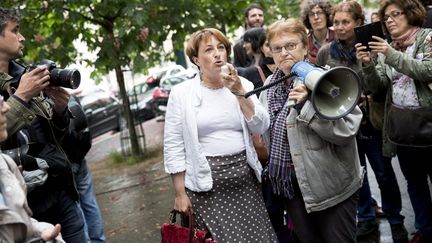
(136, 199)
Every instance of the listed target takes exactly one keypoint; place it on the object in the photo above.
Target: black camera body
(67, 78)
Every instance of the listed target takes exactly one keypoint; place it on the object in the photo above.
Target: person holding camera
(38, 118)
(402, 69)
(341, 52)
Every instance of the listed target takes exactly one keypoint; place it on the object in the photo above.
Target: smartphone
(365, 32)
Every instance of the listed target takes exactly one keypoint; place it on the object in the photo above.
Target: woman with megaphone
(402, 69)
(311, 162)
(341, 52)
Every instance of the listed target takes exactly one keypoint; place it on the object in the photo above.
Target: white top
(219, 125)
(182, 149)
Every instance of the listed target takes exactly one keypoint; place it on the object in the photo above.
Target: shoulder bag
(409, 126)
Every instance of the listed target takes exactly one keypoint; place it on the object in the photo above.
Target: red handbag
(173, 233)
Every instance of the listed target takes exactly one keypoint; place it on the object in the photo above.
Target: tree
(126, 34)
(117, 30)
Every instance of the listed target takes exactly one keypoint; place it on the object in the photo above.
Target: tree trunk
(136, 151)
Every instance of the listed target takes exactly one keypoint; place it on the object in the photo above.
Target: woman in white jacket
(208, 149)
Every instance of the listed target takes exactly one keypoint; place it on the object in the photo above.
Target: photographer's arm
(19, 115)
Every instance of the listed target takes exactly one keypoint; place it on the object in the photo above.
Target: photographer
(39, 112)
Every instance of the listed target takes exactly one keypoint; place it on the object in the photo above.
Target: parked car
(150, 96)
(103, 112)
(161, 93)
(139, 98)
(166, 72)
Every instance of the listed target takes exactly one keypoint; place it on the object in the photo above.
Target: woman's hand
(379, 46)
(232, 80)
(362, 54)
(182, 203)
(51, 234)
(299, 93)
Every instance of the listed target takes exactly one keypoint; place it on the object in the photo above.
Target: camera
(67, 78)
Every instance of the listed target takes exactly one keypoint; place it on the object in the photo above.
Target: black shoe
(366, 228)
(399, 233)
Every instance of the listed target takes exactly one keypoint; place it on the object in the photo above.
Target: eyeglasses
(289, 46)
(393, 14)
(317, 14)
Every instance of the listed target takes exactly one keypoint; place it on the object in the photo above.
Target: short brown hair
(413, 10)
(196, 38)
(308, 5)
(352, 7)
(8, 15)
(290, 25)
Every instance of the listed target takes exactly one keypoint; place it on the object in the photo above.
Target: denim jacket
(324, 153)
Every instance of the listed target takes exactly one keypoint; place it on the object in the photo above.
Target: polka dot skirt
(234, 210)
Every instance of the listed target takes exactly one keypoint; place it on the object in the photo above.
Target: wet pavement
(136, 199)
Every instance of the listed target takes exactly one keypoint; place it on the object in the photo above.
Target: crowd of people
(248, 168)
(220, 144)
(49, 195)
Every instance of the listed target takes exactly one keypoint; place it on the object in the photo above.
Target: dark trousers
(416, 165)
(66, 212)
(371, 146)
(335, 224)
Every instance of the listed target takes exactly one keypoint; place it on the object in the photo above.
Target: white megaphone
(335, 92)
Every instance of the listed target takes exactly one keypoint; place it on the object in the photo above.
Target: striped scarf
(280, 163)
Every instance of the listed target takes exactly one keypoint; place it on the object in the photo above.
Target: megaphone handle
(293, 102)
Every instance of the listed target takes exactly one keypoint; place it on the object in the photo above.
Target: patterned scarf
(402, 42)
(343, 51)
(280, 164)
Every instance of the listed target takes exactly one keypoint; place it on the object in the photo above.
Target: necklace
(212, 88)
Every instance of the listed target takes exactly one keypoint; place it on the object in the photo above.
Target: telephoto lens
(68, 78)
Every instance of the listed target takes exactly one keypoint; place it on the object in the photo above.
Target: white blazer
(182, 150)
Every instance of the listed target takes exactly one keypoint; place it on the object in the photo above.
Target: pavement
(135, 199)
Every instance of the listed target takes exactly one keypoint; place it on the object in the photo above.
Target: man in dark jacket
(38, 118)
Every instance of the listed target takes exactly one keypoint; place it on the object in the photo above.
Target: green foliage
(113, 28)
(116, 157)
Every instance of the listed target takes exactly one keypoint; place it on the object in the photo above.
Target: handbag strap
(173, 216)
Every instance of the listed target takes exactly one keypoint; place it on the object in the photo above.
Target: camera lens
(68, 78)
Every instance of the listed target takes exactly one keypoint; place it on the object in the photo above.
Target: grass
(120, 158)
